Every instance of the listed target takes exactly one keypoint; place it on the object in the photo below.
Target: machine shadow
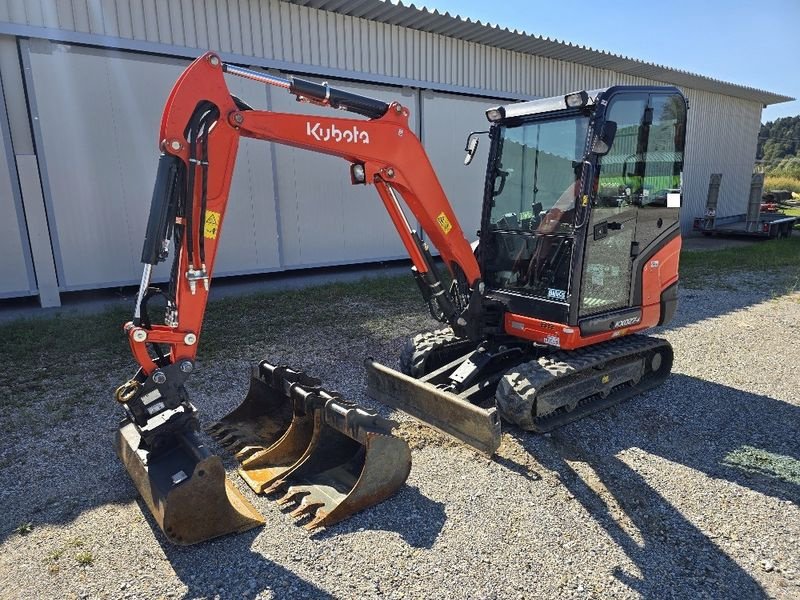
(419, 522)
(671, 547)
(728, 301)
(251, 573)
(200, 569)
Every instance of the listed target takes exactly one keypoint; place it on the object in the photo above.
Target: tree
(779, 146)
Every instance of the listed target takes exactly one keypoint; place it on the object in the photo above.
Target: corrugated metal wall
(722, 129)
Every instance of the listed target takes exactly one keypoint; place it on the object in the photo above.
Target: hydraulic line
(193, 131)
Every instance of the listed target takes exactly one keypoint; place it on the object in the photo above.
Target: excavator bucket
(185, 487)
(352, 463)
(334, 458)
(260, 420)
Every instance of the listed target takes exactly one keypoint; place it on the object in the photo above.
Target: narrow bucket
(352, 462)
(333, 458)
(185, 488)
(263, 417)
(263, 467)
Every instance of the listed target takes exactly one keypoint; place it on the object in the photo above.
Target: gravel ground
(690, 490)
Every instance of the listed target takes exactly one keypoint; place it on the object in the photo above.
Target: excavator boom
(328, 456)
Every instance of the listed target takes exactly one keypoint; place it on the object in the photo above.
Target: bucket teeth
(329, 457)
(290, 497)
(230, 441)
(306, 507)
(218, 428)
(246, 452)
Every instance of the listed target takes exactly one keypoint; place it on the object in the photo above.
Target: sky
(752, 43)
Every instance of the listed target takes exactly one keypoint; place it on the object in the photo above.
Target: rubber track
(517, 391)
(417, 350)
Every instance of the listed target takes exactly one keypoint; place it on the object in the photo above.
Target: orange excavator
(577, 254)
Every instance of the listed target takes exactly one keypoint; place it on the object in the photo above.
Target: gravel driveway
(691, 490)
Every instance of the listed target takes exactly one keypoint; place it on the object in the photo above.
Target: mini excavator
(542, 316)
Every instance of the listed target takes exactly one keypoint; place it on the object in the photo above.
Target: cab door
(637, 198)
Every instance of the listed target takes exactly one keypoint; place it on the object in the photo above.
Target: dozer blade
(185, 488)
(435, 407)
(353, 462)
(262, 418)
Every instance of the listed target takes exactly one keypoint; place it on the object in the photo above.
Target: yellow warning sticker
(212, 224)
(444, 223)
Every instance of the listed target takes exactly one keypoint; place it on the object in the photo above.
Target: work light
(576, 99)
(496, 113)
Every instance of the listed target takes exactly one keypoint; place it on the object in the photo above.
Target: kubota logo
(324, 134)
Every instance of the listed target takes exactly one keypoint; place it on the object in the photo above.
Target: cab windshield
(535, 184)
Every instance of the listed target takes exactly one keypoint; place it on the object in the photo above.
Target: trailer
(769, 225)
(754, 223)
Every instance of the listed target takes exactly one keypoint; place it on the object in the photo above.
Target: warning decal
(444, 223)
(212, 224)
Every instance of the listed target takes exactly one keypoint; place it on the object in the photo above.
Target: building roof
(455, 26)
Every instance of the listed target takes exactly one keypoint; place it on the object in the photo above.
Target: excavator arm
(200, 130)
(329, 456)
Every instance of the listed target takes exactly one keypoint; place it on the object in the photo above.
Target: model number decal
(626, 322)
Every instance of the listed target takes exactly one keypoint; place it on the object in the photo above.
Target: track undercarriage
(463, 391)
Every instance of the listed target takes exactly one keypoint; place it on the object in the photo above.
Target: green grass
(259, 318)
(793, 211)
(707, 267)
(756, 460)
(69, 348)
(24, 528)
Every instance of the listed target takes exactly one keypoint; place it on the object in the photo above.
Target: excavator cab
(578, 198)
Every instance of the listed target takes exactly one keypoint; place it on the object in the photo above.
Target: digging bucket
(353, 462)
(334, 460)
(185, 487)
(264, 416)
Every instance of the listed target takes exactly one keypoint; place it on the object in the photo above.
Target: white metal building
(84, 82)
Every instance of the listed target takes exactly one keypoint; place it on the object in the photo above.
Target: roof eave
(433, 21)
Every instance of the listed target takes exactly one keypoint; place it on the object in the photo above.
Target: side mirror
(472, 145)
(605, 137)
(471, 148)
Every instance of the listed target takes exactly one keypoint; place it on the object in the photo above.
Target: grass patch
(66, 349)
(707, 267)
(258, 318)
(24, 528)
(756, 460)
(84, 558)
(56, 554)
(793, 211)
